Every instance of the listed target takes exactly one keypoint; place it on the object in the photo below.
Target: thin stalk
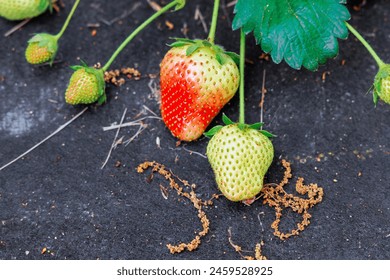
(214, 21)
(58, 36)
(366, 45)
(138, 30)
(242, 72)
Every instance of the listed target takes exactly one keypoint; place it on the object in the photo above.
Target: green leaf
(221, 58)
(46, 40)
(242, 126)
(226, 120)
(234, 56)
(193, 48)
(182, 40)
(301, 32)
(177, 44)
(256, 126)
(375, 97)
(268, 134)
(207, 43)
(213, 131)
(102, 99)
(76, 67)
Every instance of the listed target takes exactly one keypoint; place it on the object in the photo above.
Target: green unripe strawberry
(41, 48)
(240, 156)
(382, 84)
(22, 9)
(86, 86)
(385, 90)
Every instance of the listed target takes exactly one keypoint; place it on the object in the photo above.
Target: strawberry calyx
(382, 75)
(227, 121)
(52, 4)
(47, 4)
(47, 41)
(99, 74)
(194, 45)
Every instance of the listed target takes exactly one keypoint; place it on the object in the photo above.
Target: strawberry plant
(87, 84)
(240, 154)
(23, 9)
(43, 46)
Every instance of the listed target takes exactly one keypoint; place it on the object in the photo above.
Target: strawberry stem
(242, 72)
(214, 21)
(366, 45)
(139, 29)
(58, 36)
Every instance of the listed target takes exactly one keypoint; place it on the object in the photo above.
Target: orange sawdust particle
(197, 203)
(275, 196)
(258, 252)
(169, 25)
(115, 77)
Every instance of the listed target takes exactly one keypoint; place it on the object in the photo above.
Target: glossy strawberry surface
(194, 88)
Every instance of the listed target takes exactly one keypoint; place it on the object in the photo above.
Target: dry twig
(123, 15)
(47, 138)
(16, 27)
(114, 143)
(198, 16)
(137, 122)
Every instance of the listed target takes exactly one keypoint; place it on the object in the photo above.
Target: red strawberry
(197, 79)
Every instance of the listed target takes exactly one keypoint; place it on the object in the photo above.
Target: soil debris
(115, 76)
(169, 24)
(257, 254)
(275, 196)
(46, 251)
(264, 56)
(197, 203)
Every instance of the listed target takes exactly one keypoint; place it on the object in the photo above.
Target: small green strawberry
(86, 86)
(240, 156)
(197, 78)
(382, 84)
(23, 9)
(41, 48)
